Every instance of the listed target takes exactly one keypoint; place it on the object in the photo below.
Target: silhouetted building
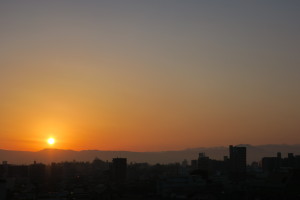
(37, 173)
(56, 174)
(297, 162)
(269, 164)
(225, 158)
(4, 169)
(279, 155)
(184, 163)
(273, 164)
(290, 160)
(238, 161)
(203, 162)
(18, 171)
(194, 164)
(119, 169)
(279, 160)
(99, 164)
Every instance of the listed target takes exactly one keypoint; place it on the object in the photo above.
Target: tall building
(119, 169)
(203, 162)
(290, 159)
(238, 160)
(4, 169)
(278, 160)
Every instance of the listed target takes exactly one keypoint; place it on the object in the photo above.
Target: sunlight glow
(51, 141)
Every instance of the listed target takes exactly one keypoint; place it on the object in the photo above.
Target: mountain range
(254, 153)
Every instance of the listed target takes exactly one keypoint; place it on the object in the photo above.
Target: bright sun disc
(51, 141)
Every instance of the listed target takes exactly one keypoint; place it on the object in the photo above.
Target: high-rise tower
(238, 160)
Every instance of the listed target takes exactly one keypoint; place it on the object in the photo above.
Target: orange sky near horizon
(143, 76)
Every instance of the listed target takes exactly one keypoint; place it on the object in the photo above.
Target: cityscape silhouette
(149, 99)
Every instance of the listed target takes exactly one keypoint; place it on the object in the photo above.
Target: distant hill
(254, 153)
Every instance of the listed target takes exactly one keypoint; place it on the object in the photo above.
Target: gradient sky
(148, 75)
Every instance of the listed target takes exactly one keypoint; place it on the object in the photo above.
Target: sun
(51, 141)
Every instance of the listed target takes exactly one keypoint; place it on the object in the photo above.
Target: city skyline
(148, 76)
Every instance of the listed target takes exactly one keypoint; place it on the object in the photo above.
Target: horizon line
(189, 148)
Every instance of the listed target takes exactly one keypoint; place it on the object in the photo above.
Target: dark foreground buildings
(238, 161)
(119, 169)
(276, 178)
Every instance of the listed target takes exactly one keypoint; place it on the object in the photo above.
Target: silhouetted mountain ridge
(254, 153)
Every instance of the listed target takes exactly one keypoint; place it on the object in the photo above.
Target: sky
(148, 75)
